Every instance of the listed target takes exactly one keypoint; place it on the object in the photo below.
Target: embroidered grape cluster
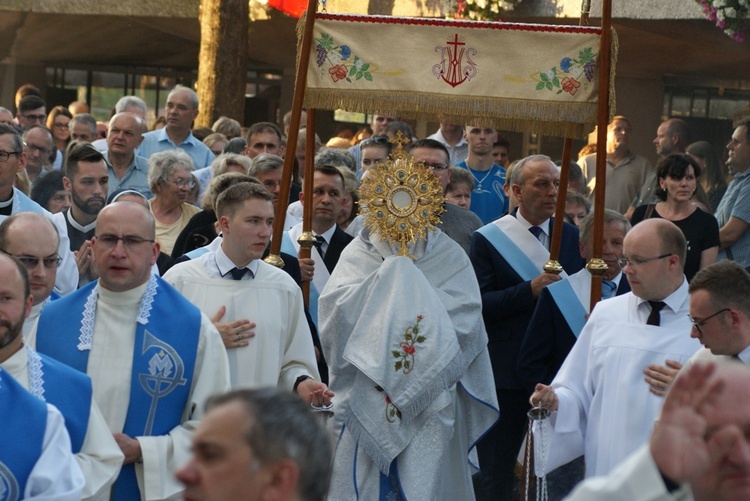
(588, 70)
(320, 55)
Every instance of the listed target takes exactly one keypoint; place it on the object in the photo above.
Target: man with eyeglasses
(720, 312)
(32, 240)
(456, 222)
(13, 201)
(181, 111)
(39, 145)
(86, 178)
(31, 111)
(600, 401)
(153, 358)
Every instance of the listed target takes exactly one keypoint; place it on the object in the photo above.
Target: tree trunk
(222, 64)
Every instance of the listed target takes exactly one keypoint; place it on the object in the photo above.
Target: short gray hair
(264, 163)
(610, 216)
(86, 119)
(162, 164)
(222, 163)
(282, 426)
(518, 175)
(126, 102)
(335, 158)
(181, 88)
(227, 126)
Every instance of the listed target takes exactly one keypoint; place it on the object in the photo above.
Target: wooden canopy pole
(291, 145)
(597, 266)
(306, 239)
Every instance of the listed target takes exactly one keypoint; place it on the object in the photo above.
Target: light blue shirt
(158, 140)
(135, 178)
(736, 202)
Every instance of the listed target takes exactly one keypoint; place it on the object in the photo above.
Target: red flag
(292, 7)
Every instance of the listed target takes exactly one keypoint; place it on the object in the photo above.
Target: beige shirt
(166, 234)
(624, 180)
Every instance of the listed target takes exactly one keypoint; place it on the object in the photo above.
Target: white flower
(494, 8)
(481, 4)
(334, 57)
(730, 12)
(744, 3)
(720, 3)
(720, 15)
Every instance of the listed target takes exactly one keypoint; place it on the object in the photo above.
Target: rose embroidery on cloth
(571, 74)
(337, 57)
(407, 348)
(391, 411)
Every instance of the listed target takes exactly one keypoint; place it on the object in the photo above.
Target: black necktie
(655, 318)
(237, 273)
(536, 231)
(319, 241)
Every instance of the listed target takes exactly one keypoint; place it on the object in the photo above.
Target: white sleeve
(636, 479)
(299, 353)
(56, 475)
(164, 454)
(67, 273)
(100, 458)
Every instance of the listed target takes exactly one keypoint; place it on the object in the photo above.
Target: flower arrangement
(485, 10)
(729, 15)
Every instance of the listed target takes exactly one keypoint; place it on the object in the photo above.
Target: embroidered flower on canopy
(326, 51)
(571, 74)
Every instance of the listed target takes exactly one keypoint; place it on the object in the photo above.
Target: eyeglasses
(31, 262)
(697, 323)
(624, 261)
(435, 166)
(35, 117)
(379, 140)
(5, 155)
(190, 183)
(33, 148)
(129, 241)
(61, 126)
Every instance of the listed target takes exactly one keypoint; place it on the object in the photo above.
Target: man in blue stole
(152, 399)
(508, 255)
(36, 459)
(13, 201)
(68, 390)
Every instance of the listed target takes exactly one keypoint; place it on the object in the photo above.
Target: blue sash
(196, 253)
(71, 392)
(24, 419)
(570, 307)
(165, 350)
(512, 254)
(288, 246)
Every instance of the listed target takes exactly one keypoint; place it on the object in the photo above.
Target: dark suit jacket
(548, 340)
(339, 240)
(507, 302)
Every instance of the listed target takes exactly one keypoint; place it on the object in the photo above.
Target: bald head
(34, 239)
(122, 211)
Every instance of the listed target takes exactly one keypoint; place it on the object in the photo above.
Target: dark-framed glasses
(33, 148)
(436, 166)
(129, 241)
(5, 155)
(698, 323)
(31, 262)
(635, 261)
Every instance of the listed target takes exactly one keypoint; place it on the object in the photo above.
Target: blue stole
(71, 392)
(196, 253)
(288, 246)
(165, 350)
(515, 257)
(570, 307)
(24, 419)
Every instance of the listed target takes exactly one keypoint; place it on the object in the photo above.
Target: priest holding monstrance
(401, 327)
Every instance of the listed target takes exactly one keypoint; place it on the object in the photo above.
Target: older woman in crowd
(50, 193)
(170, 179)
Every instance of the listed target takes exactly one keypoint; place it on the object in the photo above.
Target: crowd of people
(148, 351)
